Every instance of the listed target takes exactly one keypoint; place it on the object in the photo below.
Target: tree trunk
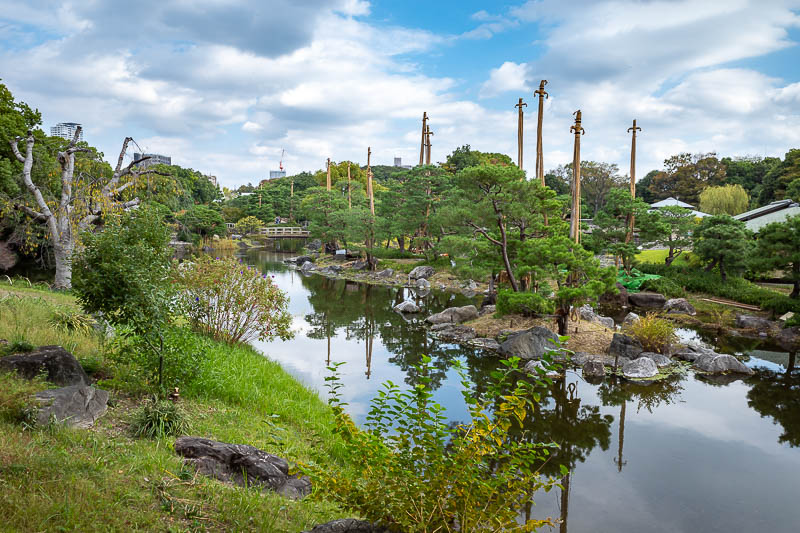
(796, 276)
(63, 255)
(401, 243)
(722, 270)
(711, 266)
(506, 262)
(562, 318)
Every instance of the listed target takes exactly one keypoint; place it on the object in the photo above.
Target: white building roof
(672, 201)
(777, 211)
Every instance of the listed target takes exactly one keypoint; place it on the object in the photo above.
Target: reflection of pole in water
(328, 333)
(790, 366)
(620, 463)
(565, 502)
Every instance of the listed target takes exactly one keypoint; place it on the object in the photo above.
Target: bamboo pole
(520, 114)
(542, 94)
(575, 222)
(329, 175)
(422, 144)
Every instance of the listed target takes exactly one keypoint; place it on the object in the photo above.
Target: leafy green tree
(749, 172)
(15, 119)
(248, 225)
(779, 177)
(322, 209)
(724, 200)
(203, 220)
(612, 224)
(793, 190)
(643, 187)
(685, 176)
(723, 242)
(125, 273)
(778, 248)
(677, 236)
(465, 157)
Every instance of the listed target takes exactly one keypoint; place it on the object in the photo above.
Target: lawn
(658, 256)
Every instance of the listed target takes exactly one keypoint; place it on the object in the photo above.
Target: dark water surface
(685, 455)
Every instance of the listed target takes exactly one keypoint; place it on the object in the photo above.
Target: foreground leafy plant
(655, 333)
(159, 418)
(417, 473)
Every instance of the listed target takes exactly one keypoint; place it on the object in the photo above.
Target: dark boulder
(314, 245)
(454, 315)
(60, 366)
(243, 465)
(647, 300)
(302, 259)
(679, 306)
(529, 344)
(348, 525)
(753, 322)
(307, 267)
(594, 369)
(620, 299)
(421, 272)
(453, 332)
(76, 406)
(485, 344)
(330, 270)
(625, 346)
(715, 363)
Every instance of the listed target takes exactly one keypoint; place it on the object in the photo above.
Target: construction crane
(280, 164)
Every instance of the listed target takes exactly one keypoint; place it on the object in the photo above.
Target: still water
(686, 455)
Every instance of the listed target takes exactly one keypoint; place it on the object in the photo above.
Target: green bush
(18, 346)
(664, 286)
(69, 319)
(656, 334)
(158, 419)
(523, 303)
(415, 472)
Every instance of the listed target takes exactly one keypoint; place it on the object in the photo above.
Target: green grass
(103, 479)
(658, 256)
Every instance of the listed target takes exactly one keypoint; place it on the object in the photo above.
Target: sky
(223, 86)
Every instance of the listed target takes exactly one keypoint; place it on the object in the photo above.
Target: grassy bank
(102, 479)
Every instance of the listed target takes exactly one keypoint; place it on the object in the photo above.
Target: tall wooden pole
(520, 105)
(542, 94)
(329, 174)
(369, 183)
(428, 134)
(422, 144)
(575, 222)
(632, 130)
(291, 200)
(349, 197)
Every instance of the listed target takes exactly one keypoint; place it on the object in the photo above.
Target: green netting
(633, 283)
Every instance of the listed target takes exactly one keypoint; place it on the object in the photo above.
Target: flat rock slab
(243, 465)
(640, 368)
(625, 346)
(679, 306)
(76, 406)
(529, 344)
(485, 343)
(60, 366)
(348, 525)
(421, 272)
(406, 307)
(715, 363)
(454, 315)
(453, 332)
(647, 300)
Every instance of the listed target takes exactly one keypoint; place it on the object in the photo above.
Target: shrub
(664, 286)
(158, 419)
(523, 303)
(656, 334)
(69, 319)
(17, 346)
(233, 302)
(414, 472)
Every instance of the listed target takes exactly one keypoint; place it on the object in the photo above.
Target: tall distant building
(398, 161)
(155, 159)
(212, 179)
(275, 174)
(65, 130)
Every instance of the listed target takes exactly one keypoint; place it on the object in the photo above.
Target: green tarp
(633, 283)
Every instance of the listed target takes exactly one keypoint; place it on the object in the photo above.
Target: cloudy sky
(224, 85)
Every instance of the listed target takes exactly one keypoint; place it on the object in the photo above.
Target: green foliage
(16, 399)
(724, 200)
(793, 190)
(749, 172)
(248, 224)
(676, 225)
(414, 472)
(465, 157)
(723, 242)
(203, 220)
(685, 176)
(157, 419)
(665, 286)
(233, 302)
(523, 303)
(780, 176)
(656, 334)
(71, 319)
(17, 346)
(778, 248)
(634, 280)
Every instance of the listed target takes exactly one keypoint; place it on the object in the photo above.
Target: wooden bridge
(281, 232)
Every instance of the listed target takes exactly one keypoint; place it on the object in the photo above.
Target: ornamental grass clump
(415, 472)
(656, 334)
(232, 302)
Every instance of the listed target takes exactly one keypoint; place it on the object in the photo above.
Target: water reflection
(681, 455)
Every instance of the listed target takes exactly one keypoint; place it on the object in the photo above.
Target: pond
(684, 455)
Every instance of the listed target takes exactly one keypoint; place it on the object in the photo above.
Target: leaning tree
(82, 202)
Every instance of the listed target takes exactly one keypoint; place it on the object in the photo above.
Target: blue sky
(224, 86)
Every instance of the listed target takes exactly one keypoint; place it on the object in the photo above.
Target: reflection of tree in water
(362, 311)
(777, 395)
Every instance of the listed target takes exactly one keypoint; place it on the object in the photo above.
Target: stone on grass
(243, 465)
(715, 363)
(60, 366)
(529, 344)
(640, 368)
(753, 322)
(454, 315)
(406, 307)
(625, 346)
(659, 359)
(594, 369)
(679, 306)
(421, 272)
(75, 406)
(647, 300)
(588, 314)
(348, 525)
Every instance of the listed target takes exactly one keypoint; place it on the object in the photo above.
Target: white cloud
(509, 76)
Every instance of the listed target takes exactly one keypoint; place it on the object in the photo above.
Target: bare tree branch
(122, 153)
(35, 215)
(15, 149)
